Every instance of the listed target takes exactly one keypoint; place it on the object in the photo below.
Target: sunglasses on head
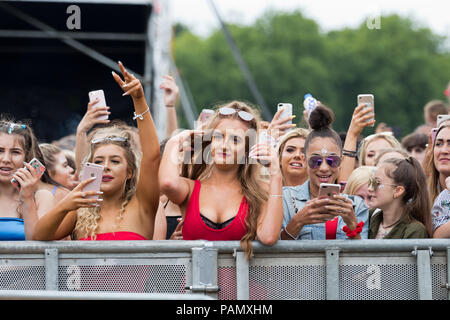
(106, 139)
(244, 115)
(315, 162)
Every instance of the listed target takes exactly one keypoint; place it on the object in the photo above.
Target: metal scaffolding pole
(242, 65)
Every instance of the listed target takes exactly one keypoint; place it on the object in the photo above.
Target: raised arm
(90, 119)
(270, 219)
(147, 190)
(360, 118)
(175, 187)
(170, 98)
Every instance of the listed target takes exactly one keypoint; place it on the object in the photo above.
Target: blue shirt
(12, 229)
(300, 194)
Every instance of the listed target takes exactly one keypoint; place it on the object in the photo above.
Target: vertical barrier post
(424, 274)
(51, 269)
(204, 271)
(332, 273)
(242, 276)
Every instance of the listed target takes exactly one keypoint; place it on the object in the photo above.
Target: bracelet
(140, 115)
(348, 153)
(276, 195)
(353, 233)
(351, 155)
(170, 106)
(290, 235)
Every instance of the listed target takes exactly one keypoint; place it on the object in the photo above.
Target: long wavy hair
(431, 172)
(87, 218)
(248, 173)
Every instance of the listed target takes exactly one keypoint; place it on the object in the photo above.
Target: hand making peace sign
(131, 85)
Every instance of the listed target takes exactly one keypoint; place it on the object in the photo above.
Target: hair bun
(321, 117)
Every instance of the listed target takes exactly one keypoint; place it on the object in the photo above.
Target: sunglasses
(315, 162)
(244, 115)
(374, 184)
(106, 139)
(11, 127)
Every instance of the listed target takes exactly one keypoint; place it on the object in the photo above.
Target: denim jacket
(300, 194)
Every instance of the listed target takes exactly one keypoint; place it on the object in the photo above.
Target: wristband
(353, 233)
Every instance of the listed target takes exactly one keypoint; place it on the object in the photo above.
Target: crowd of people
(233, 177)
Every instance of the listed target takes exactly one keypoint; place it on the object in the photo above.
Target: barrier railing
(361, 269)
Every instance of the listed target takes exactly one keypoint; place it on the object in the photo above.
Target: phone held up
(37, 165)
(442, 118)
(91, 170)
(287, 113)
(369, 100)
(101, 101)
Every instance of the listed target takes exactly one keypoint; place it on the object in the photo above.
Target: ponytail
(410, 175)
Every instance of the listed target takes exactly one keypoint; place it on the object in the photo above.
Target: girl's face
(116, 172)
(364, 193)
(228, 143)
(12, 156)
(441, 152)
(293, 159)
(326, 149)
(372, 150)
(62, 172)
(381, 188)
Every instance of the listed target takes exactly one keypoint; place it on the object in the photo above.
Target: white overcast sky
(329, 14)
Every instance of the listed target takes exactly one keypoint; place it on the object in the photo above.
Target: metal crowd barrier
(301, 270)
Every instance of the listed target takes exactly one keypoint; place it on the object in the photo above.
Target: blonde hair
(294, 133)
(248, 174)
(390, 150)
(87, 218)
(358, 178)
(388, 136)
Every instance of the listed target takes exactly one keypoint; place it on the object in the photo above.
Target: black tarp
(47, 82)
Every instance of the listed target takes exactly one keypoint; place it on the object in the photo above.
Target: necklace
(387, 227)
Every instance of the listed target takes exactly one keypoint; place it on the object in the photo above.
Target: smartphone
(328, 189)
(91, 170)
(369, 100)
(442, 118)
(101, 103)
(287, 113)
(206, 114)
(37, 165)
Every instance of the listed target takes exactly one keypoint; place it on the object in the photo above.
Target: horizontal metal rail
(74, 295)
(282, 246)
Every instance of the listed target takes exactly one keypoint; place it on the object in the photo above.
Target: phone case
(327, 189)
(101, 103)
(368, 99)
(287, 111)
(37, 165)
(441, 118)
(92, 170)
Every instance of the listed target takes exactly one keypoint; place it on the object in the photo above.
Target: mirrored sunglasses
(244, 115)
(315, 162)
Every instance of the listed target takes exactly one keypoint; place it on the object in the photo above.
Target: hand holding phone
(369, 101)
(91, 171)
(37, 165)
(99, 96)
(287, 112)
